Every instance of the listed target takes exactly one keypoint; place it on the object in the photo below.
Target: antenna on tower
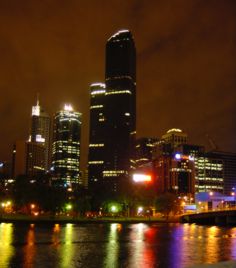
(37, 99)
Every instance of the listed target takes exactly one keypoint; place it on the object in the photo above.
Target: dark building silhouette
(66, 147)
(40, 131)
(120, 108)
(143, 150)
(96, 135)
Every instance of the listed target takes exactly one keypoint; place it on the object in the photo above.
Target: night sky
(186, 63)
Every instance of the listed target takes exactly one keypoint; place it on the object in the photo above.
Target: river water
(114, 245)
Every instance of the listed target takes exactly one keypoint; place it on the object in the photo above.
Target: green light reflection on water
(112, 247)
(67, 249)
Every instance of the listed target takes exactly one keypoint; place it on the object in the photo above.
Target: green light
(113, 209)
(68, 207)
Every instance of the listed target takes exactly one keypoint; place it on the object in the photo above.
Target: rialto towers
(113, 116)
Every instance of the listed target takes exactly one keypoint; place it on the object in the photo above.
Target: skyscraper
(96, 134)
(66, 147)
(40, 131)
(120, 108)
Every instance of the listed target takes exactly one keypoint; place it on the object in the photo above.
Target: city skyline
(179, 84)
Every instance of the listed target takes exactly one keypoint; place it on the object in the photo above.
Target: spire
(37, 104)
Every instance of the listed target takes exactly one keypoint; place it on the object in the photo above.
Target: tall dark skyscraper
(96, 134)
(120, 108)
(40, 131)
(66, 147)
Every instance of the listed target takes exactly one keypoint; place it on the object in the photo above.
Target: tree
(167, 203)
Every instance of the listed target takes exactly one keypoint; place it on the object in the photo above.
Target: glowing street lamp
(140, 210)
(113, 209)
(68, 207)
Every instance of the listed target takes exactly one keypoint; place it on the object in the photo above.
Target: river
(114, 245)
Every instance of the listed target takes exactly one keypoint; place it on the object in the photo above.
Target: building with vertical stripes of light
(66, 147)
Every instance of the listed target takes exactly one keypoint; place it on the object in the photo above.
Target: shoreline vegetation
(18, 218)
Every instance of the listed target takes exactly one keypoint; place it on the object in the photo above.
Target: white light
(68, 107)
(140, 209)
(178, 156)
(174, 130)
(36, 110)
(191, 158)
(98, 85)
(141, 178)
(39, 138)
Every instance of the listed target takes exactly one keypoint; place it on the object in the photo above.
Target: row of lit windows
(96, 92)
(96, 145)
(65, 142)
(95, 162)
(76, 168)
(211, 186)
(71, 161)
(112, 173)
(211, 179)
(96, 106)
(119, 92)
(180, 170)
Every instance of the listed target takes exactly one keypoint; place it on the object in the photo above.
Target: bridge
(215, 217)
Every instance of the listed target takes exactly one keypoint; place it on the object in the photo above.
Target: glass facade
(66, 147)
(120, 108)
(96, 134)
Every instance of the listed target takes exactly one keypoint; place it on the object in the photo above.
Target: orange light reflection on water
(30, 249)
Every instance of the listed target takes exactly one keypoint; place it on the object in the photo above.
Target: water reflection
(6, 248)
(142, 253)
(29, 250)
(112, 248)
(115, 245)
(67, 248)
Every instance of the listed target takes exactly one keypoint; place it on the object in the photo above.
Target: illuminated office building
(66, 147)
(143, 151)
(96, 135)
(40, 131)
(175, 174)
(209, 173)
(229, 169)
(208, 168)
(175, 137)
(120, 108)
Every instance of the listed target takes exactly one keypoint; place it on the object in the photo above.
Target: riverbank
(14, 218)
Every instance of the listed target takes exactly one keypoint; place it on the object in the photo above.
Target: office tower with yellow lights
(66, 147)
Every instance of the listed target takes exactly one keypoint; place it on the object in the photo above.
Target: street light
(68, 207)
(140, 210)
(113, 209)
